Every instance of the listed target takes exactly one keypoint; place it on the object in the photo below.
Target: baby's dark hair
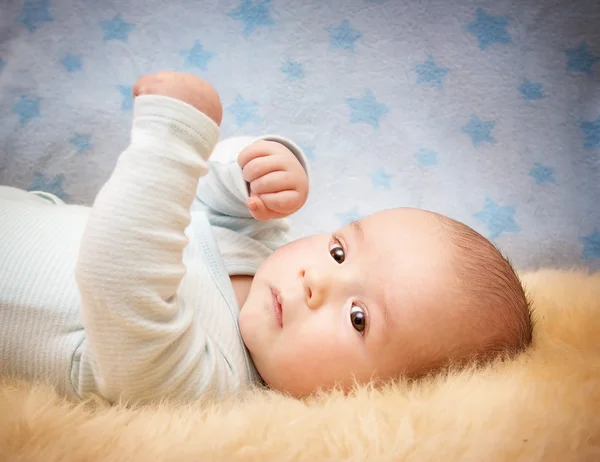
(488, 284)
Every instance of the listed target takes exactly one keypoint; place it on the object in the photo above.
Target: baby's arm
(130, 262)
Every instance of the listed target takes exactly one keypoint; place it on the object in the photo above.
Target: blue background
(487, 111)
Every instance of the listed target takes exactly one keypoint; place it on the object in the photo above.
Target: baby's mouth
(276, 302)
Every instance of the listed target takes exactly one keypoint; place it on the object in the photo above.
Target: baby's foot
(185, 87)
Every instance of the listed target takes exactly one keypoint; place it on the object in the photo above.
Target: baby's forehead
(395, 233)
(405, 256)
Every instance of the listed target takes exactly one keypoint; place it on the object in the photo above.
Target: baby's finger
(283, 202)
(259, 211)
(261, 148)
(262, 166)
(273, 182)
(257, 208)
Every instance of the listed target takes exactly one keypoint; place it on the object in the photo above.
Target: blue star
(27, 109)
(293, 70)
(2, 64)
(531, 90)
(489, 29)
(426, 158)
(116, 29)
(81, 142)
(430, 73)
(343, 36)
(127, 94)
(581, 60)
(53, 186)
(381, 179)
(366, 109)
(542, 174)
(497, 218)
(253, 15)
(71, 62)
(479, 130)
(34, 14)
(244, 111)
(591, 245)
(592, 133)
(309, 151)
(349, 216)
(197, 56)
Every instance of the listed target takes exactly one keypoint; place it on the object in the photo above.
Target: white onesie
(131, 299)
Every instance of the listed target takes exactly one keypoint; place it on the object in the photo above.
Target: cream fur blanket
(543, 406)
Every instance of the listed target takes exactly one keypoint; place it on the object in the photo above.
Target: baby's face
(364, 303)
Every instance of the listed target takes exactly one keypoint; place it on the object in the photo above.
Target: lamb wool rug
(542, 406)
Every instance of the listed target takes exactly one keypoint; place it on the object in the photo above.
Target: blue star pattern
(581, 60)
(127, 94)
(349, 216)
(591, 245)
(429, 73)
(542, 174)
(392, 104)
(381, 179)
(293, 70)
(34, 14)
(366, 109)
(244, 111)
(82, 142)
(497, 218)
(27, 109)
(45, 184)
(197, 56)
(71, 62)
(489, 29)
(343, 36)
(253, 14)
(116, 29)
(425, 157)
(479, 130)
(530, 90)
(592, 133)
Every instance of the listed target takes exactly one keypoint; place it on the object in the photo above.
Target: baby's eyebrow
(358, 230)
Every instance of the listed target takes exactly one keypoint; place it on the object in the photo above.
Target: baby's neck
(241, 287)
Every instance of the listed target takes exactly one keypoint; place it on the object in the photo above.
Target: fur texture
(545, 405)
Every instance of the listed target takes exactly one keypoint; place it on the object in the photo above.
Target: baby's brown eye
(337, 252)
(358, 318)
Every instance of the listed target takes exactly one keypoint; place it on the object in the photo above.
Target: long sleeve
(244, 241)
(139, 331)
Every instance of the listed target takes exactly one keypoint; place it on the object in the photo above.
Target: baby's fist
(184, 87)
(278, 182)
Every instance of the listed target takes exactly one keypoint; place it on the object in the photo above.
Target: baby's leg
(48, 197)
(38, 197)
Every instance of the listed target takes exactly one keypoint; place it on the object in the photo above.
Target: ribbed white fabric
(131, 299)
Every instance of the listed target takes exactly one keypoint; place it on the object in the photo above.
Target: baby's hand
(185, 87)
(278, 182)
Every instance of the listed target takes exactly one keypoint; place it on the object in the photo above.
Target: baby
(181, 281)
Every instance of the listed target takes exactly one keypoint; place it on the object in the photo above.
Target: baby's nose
(316, 284)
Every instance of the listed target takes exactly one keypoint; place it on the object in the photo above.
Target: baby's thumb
(257, 208)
